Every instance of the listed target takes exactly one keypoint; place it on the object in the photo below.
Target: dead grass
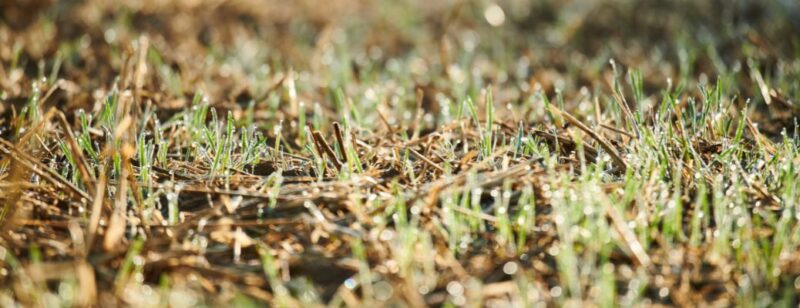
(398, 153)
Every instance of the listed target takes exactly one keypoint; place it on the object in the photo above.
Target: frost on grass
(399, 153)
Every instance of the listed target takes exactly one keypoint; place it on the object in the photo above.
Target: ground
(399, 153)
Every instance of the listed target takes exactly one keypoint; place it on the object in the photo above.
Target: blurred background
(235, 50)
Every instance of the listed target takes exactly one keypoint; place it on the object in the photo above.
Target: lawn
(399, 153)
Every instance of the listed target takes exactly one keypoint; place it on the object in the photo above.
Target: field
(399, 153)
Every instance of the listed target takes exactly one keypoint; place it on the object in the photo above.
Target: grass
(612, 153)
